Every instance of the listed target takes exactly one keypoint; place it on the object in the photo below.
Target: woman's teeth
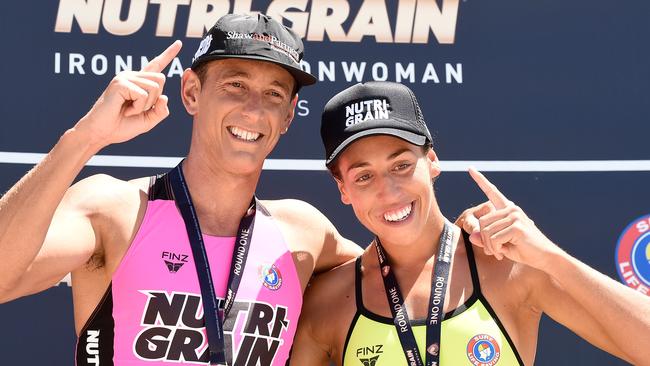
(398, 215)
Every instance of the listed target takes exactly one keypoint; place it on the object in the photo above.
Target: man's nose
(253, 105)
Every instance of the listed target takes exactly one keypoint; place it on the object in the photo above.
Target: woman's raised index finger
(491, 191)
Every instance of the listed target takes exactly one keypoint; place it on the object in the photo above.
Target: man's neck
(220, 198)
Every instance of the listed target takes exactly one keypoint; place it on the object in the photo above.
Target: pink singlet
(152, 313)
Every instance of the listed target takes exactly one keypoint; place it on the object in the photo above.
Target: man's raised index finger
(161, 61)
(491, 191)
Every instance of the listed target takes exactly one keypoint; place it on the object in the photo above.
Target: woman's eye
(363, 178)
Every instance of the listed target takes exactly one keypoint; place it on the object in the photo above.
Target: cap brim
(407, 136)
(302, 78)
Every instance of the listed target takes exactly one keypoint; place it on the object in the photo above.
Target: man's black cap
(258, 37)
(372, 108)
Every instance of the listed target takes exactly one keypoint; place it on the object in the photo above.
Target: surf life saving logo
(271, 276)
(633, 255)
(483, 350)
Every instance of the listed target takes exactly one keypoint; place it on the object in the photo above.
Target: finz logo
(364, 110)
(483, 350)
(174, 261)
(271, 276)
(368, 356)
(633, 255)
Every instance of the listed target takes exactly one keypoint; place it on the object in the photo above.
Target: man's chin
(245, 163)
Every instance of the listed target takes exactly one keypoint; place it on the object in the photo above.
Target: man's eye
(236, 84)
(276, 94)
(402, 166)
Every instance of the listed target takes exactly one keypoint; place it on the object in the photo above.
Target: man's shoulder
(101, 193)
(299, 215)
(291, 208)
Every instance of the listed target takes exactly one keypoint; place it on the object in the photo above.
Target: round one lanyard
(439, 279)
(213, 321)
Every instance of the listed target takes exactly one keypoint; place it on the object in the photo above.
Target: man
(467, 306)
(149, 257)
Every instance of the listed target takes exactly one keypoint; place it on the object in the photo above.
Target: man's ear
(290, 114)
(434, 164)
(190, 90)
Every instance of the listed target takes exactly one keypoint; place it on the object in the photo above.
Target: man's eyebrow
(236, 73)
(282, 85)
(246, 75)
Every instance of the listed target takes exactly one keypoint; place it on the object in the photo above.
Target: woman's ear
(344, 195)
(434, 164)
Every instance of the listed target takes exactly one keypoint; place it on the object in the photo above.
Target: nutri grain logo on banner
(412, 23)
(312, 20)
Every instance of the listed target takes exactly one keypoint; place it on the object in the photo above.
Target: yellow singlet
(471, 334)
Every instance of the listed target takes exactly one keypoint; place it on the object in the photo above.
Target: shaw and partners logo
(633, 255)
(312, 20)
(173, 330)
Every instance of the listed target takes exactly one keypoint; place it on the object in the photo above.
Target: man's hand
(132, 103)
(502, 229)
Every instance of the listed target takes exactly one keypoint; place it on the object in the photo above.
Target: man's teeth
(243, 134)
(399, 215)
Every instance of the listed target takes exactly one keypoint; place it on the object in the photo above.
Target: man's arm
(26, 212)
(336, 249)
(310, 232)
(46, 235)
(602, 311)
(314, 338)
(306, 350)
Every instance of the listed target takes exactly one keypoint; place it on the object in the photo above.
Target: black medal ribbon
(439, 280)
(213, 321)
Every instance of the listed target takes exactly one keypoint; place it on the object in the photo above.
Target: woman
(388, 306)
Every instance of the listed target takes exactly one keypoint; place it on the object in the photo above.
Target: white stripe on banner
(317, 164)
